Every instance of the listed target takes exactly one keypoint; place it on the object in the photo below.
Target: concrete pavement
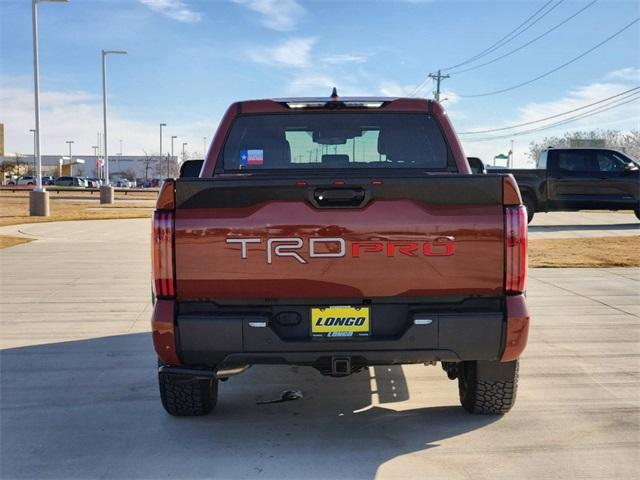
(583, 224)
(79, 396)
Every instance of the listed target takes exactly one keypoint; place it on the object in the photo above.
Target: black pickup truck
(579, 179)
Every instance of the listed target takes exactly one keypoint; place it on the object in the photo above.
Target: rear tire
(530, 204)
(637, 212)
(488, 387)
(184, 396)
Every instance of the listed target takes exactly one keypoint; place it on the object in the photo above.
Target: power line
(544, 34)
(546, 74)
(475, 132)
(503, 41)
(506, 38)
(581, 116)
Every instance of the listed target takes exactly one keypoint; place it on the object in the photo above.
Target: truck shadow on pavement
(90, 408)
(584, 228)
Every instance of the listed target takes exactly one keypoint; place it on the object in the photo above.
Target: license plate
(339, 322)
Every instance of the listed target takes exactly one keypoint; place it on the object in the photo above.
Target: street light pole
(104, 111)
(161, 125)
(33, 130)
(173, 137)
(69, 142)
(38, 199)
(204, 147)
(183, 145)
(95, 154)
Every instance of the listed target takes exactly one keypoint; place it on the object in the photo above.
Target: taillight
(162, 251)
(516, 249)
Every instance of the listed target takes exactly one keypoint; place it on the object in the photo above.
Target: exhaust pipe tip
(226, 371)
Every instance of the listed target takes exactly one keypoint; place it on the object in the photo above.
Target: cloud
(394, 89)
(629, 74)
(77, 115)
(174, 9)
(343, 58)
(312, 85)
(295, 52)
(281, 15)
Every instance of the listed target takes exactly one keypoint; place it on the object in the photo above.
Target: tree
(628, 142)
(149, 159)
(129, 174)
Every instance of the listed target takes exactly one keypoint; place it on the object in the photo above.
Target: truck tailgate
(267, 239)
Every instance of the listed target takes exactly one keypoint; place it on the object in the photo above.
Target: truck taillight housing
(516, 249)
(162, 253)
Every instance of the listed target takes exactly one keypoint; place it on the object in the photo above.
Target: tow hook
(340, 366)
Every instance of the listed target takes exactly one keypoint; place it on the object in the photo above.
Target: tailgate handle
(339, 197)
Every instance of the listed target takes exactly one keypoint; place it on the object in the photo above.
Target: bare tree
(149, 160)
(629, 142)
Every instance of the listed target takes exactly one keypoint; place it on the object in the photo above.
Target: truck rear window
(337, 141)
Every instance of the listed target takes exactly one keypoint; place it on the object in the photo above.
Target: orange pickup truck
(338, 233)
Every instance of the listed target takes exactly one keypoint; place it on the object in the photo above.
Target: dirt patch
(585, 252)
(7, 241)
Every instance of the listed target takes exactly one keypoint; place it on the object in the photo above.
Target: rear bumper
(207, 335)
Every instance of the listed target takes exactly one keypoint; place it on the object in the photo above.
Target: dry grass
(585, 252)
(7, 241)
(14, 207)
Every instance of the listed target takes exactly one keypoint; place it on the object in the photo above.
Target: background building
(131, 167)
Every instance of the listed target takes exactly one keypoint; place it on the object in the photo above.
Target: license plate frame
(340, 322)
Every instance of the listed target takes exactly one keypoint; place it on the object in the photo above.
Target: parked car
(121, 183)
(93, 182)
(569, 179)
(47, 180)
(26, 180)
(69, 182)
(340, 260)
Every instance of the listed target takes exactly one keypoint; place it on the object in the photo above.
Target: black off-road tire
(637, 212)
(529, 202)
(488, 387)
(184, 396)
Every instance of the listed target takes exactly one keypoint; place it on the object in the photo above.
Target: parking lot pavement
(79, 395)
(583, 224)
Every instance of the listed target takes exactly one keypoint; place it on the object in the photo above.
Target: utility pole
(438, 77)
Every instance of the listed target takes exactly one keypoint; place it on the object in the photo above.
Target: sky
(189, 59)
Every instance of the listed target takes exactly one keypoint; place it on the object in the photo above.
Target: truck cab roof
(542, 158)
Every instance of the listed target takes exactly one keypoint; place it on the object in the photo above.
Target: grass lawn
(7, 241)
(585, 252)
(75, 205)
